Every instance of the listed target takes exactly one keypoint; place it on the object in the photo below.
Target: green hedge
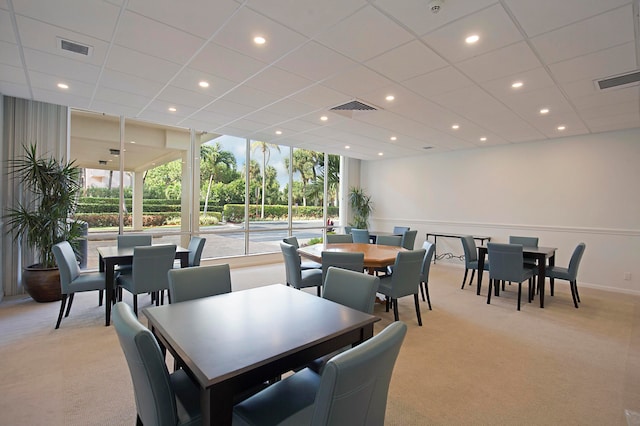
(235, 212)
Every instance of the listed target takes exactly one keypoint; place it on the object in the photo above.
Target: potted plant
(45, 218)
(361, 206)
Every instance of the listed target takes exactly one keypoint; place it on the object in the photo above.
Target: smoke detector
(435, 5)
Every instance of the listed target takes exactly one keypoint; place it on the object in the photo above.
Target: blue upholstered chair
(389, 240)
(130, 241)
(527, 242)
(296, 277)
(352, 389)
(409, 239)
(360, 236)
(200, 281)
(304, 264)
(149, 273)
(426, 267)
(161, 398)
(400, 230)
(196, 246)
(339, 238)
(471, 258)
(404, 281)
(507, 265)
(343, 260)
(71, 280)
(569, 273)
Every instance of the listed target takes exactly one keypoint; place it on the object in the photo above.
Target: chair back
(409, 239)
(574, 263)
(67, 264)
(350, 288)
(426, 262)
(406, 273)
(343, 260)
(291, 264)
(150, 266)
(133, 240)
(470, 250)
(292, 240)
(360, 236)
(400, 230)
(389, 240)
(339, 238)
(354, 384)
(196, 245)
(155, 397)
(524, 241)
(506, 261)
(198, 282)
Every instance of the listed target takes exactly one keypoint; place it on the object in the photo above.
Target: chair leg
(551, 286)
(422, 290)
(519, 293)
(135, 304)
(466, 271)
(473, 274)
(489, 293)
(63, 302)
(574, 288)
(426, 289)
(100, 297)
(417, 302)
(69, 305)
(395, 310)
(386, 303)
(319, 291)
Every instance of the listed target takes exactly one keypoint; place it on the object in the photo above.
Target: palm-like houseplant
(45, 218)
(361, 206)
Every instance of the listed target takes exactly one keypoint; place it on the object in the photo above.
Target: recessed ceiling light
(472, 39)
(259, 40)
(517, 85)
(483, 139)
(203, 84)
(132, 142)
(347, 147)
(393, 138)
(172, 109)
(455, 126)
(380, 154)
(544, 111)
(63, 86)
(278, 132)
(324, 118)
(390, 97)
(561, 128)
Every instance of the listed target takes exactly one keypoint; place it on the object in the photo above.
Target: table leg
(435, 248)
(541, 277)
(108, 287)
(481, 255)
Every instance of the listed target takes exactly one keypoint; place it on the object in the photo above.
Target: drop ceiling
(147, 56)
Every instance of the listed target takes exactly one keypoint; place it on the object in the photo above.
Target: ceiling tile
(356, 81)
(139, 64)
(279, 82)
(6, 27)
(315, 62)
(437, 82)
(598, 65)
(503, 62)
(407, 61)
(226, 63)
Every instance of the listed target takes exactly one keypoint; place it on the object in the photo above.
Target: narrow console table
(481, 238)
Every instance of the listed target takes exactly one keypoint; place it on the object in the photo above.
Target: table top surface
(374, 255)
(529, 250)
(115, 251)
(448, 234)
(223, 336)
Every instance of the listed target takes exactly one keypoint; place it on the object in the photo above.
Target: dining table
(375, 256)
(111, 256)
(542, 256)
(373, 235)
(233, 342)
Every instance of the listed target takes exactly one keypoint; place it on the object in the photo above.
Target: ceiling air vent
(353, 106)
(620, 80)
(114, 151)
(74, 47)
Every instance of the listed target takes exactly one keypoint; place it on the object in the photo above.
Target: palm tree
(304, 162)
(214, 156)
(266, 154)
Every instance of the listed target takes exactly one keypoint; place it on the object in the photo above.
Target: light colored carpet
(471, 363)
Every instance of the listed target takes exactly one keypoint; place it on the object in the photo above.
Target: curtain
(25, 122)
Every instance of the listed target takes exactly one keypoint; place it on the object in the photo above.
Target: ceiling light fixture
(259, 40)
(380, 154)
(172, 109)
(544, 111)
(203, 84)
(483, 139)
(347, 147)
(455, 126)
(393, 138)
(561, 128)
(324, 118)
(278, 132)
(63, 86)
(517, 85)
(472, 39)
(390, 97)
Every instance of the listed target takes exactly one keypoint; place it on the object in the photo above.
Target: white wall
(564, 191)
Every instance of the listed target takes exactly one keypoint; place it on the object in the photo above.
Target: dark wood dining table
(375, 256)
(542, 256)
(232, 342)
(109, 257)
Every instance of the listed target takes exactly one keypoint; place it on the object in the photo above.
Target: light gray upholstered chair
(389, 240)
(360, 236)
(339, 238)
(426, 267)
(161, 398)
(404, 281)
(471, 258)
(343, 260)
(507, 265)
(569, 273)
(409, 239)
(400, 230)
(304, 264)
(71, 280)
(196, 246)
(352, 389)
(200, 281)
(526, 242)
(149, 273)
(349, 288)
(130, 241)
(296, 277)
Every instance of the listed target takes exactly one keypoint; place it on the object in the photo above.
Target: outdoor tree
(265, 149)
